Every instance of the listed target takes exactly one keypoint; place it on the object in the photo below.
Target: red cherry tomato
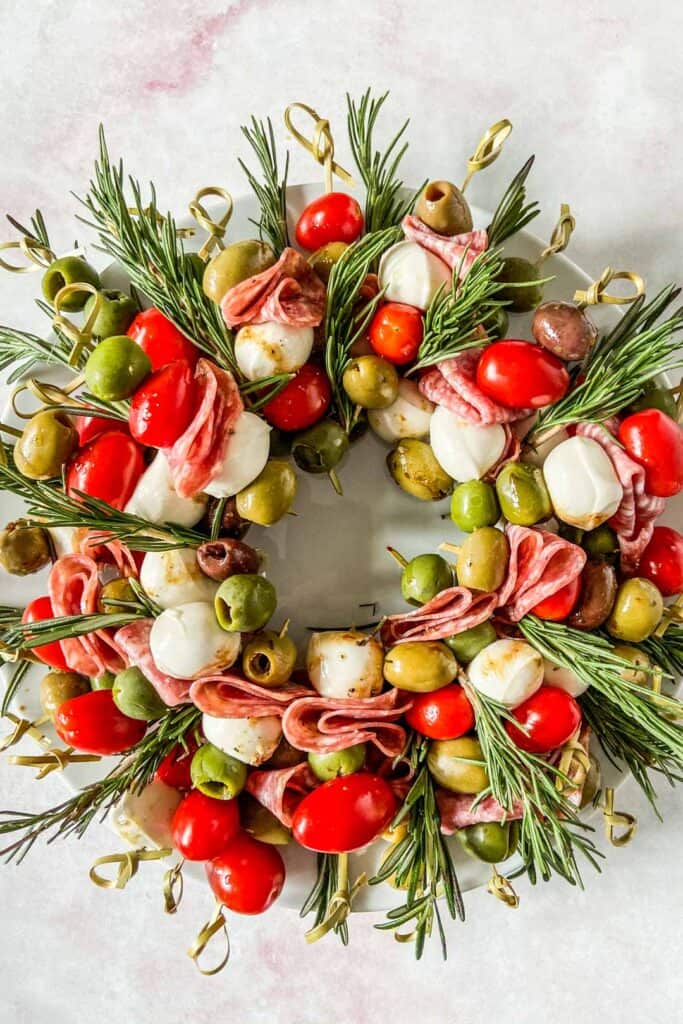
(549, 716)
(174, 770)
(38, 610)
(163, 405)
(396, 331)
(521, 375)
(444, 714)
(248, 876)
(94, 724)
(662, 561)
(302, 402)
(90, 427)
(334, 217)
(202, 827)
(655, 441)
(560, 604)
(107, 468)
(161, 339)
(344, 814)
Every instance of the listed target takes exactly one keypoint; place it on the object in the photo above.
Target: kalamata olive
(261, 823)
(424, 577)
(270, 496)
(135, 696)
(234, 264)
(23, 548)
(324, 258)
(332, 764)
(232, 523)
(564, 329)
(371, 382)
(414, 467)
(420, 666)
(598, 592)
(118, 589)
(655, 396)
(457, 765)
(116, 313)
(490, 841)
(444, 209)
(600, 543)
(639, 674)
(466, 645)
(483, 559)
(58, 687)
(522, 494)
(225, 557)
(524, 293)
(46, 445)
(69, 270)
(269, 658)
(474, 504)
(637, 611)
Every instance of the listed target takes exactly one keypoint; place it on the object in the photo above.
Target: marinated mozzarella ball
(262, 350)
(186, 642)
(563, 678)
(144, 819)
(246, 456)
(508, 671)
(250, 740)
(410, 274)
(344, 664)
(409, 415)
(582, 483)
(65, 539)
(156, 499)
(465, 450)
(173, 577)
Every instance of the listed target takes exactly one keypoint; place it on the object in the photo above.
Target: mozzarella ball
(411, 274)
(144, 819)
(250, 740)
(583, 485)
(156, 499)
(563, 678)
(173, 577)
(409, 415)
(508, 671)
(186, 642)
(537, 454)
(262, 350)
(465, 450)
(66, 539)
(343, 664)
(246, 456)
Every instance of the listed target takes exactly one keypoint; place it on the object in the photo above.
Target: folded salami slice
(323, 724)
(541, 563)
(290, 292)
(452, 611)
(452, 249)
(231, 696)
(101, 546)
(281, 790)
(198, 454)
(452, 383)
(456, 811)
(73, 588)
(133, 643)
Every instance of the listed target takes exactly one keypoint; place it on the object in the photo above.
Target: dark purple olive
(232, 523)
(219, 559)
(564, 329)
(598, 592)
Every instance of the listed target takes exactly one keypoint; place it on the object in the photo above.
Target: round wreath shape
(169, 426)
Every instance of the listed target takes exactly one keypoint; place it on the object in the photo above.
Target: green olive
(261, 823)
(414, 467)
(116, 314)
(637, 611)
(69, 270)
(522, 494)
(135, 696)
(46, 445)
(574, 534)
(483, 559)
(457, 765)
(602, 542)
(104, 682)
(270, 496)
(639, 674)
(269, 658)
(490, 841)
(280, 444)
(216, 774)
(285, 756)
(443, 208)
(371, 382)
(245, 602)
(116, 368)
(497, 324)
(420, 666)
(519, 279)
(323, 259)
(234, 264)
(339, 762)
(424, 577)
(656, 397)
(57, 687)
(320, 448)
(23, 548)
(474, 504)
(466, 645)
(118, 589)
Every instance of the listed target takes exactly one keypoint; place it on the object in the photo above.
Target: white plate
(329, 563)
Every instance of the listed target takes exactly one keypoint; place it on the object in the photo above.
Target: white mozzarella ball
(66, 539)
(144, 819)
(187, 642)
(465, 450)
(344, 664)
(411, 274)
(582, 483)
(537, 454)
(246, 456)
(262, 350)
(508, 671)
(156, 499)
(563, 678)
(250, 740)
(409, 415)
(173, 577)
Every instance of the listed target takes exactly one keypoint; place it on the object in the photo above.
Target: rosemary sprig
(271, 192)
(26, 636)
(23, 351)
(324, 888)
(19, 670)
(9, 616)
(513, 212)
(36, 233)
(667, 651)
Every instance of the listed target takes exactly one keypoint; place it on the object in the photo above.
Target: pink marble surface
(595, 92)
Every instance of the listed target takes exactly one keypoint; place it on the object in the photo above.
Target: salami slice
(100, 545)
(456, 811)
(452, 611)
(133, 643)
(324, 725)
(281, 790)
(231, 696)
(73, 588)
(541, 563)
(290, 292)
(452, 383)
(452, 249)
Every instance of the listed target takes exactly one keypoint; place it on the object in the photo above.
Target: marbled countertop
(594, 90)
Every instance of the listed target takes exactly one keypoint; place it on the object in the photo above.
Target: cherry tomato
(38, 610)
(248, 876)
(107, 468)
(302, 402)
(443, 714)
(174, 770)
(662, 561)
(560, 604)
(162, 407)
(161, 339)
(90, 427)
(202, 827)
(334, 217)
(521, 375)
(549, 716)
(94, 724)
(344, 814)
(655, 441)
(396, 331)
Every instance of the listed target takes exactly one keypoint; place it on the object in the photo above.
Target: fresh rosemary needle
(513, 212)
(271, 191)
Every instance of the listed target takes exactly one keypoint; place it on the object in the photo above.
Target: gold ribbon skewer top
(501, 888)
(38, 256)
(49, 394)
(596, 295)
(216, 228)
(339, 907)
(215, 924)
(320, 145)
(562, 232)
(52, 760)
(80, 336)
(159, 218)
(488, 149)
(128, 863)
(173, 887)
(22, 727)
(614, 820)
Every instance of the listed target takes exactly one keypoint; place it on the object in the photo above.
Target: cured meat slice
(454, 250)
(198, 454)
(324, 725)
(281, 790)
(457, 810)
(452, 611)
(452, 383)
(541, 563)
(231, 696)
(73, 588)
(133, 643)
(290, 292)
(100, 545)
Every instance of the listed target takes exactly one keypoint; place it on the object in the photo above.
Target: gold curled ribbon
(49, 394)
(128, 864)
(216, 228)
(501, 887)
(614, 820)
(80, 336)
(488, 149)
(562, 232)
(215, 924)
(596, 295)
(159, 219)
(672, 613)
(39, 256)
(52, 760)
(173, 887)
(22, 727)
(340, 905)
(573, 766)
(320, 145)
